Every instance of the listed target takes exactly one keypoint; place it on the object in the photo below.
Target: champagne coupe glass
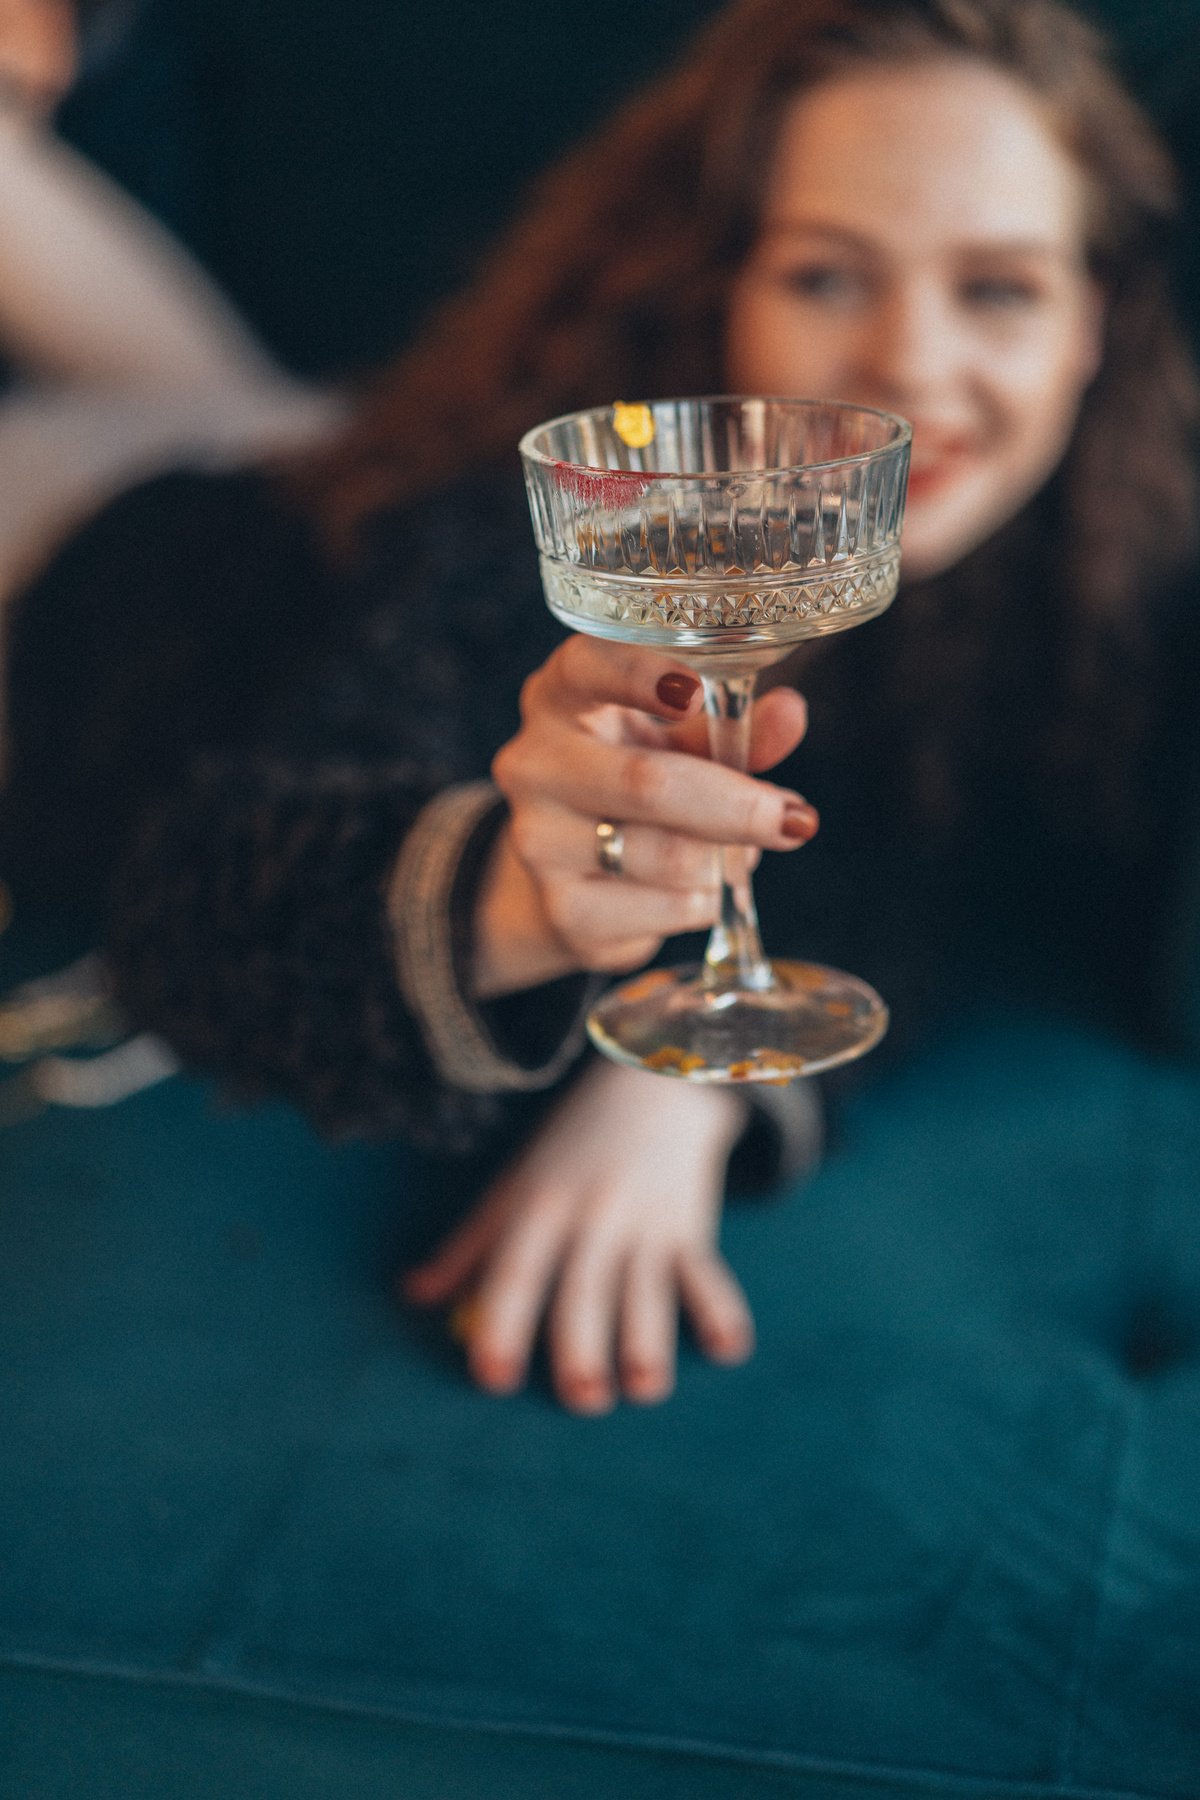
(724, 531)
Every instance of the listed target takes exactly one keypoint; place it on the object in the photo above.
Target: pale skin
(946, 281)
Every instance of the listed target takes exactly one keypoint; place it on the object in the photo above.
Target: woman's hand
(602, 1229)
(614, 732)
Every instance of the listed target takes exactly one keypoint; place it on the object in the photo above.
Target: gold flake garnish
(633, 424)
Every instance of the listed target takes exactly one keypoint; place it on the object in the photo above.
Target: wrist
(515, 946)
(715, 1116)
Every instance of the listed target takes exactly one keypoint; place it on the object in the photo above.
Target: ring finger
(581, 1327)
(563, 841)
(599, 911)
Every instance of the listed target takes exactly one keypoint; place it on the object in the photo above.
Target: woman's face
(922, 250)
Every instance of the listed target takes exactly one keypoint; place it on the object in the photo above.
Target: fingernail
(729, 1346)
(496, 1374)
(677, 690)
(800, 822)
(645, 1383)
(589, 1395)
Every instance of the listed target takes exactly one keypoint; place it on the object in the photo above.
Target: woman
(944, 207)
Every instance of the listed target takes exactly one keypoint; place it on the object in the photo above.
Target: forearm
(93, 290)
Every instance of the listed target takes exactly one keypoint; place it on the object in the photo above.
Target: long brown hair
(613, 281)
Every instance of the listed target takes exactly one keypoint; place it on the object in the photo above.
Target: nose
(909, 347)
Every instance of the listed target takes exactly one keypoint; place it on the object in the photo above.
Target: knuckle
(628, 664)
(677, 863)
(687, 863)
(760, 814)
(524, 835)
(505, 765)
(645, 779)
(563, 677)
(571, 655)
(532, 689)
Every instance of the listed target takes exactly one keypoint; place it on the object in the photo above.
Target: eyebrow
(809, 228)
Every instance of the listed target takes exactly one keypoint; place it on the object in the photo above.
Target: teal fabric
(113, 1739)
(941, 1536)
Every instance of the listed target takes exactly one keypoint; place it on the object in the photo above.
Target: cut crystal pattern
(819, 602)
(766, 551)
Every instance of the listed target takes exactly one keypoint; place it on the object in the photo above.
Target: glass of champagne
(724, 531)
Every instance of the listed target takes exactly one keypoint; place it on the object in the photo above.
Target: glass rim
(902, 435)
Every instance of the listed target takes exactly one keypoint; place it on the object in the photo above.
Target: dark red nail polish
(677, 690)
(799, 823)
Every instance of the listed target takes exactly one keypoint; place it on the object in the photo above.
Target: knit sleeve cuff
(429, 901)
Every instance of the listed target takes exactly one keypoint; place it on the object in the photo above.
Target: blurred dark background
(338, 167)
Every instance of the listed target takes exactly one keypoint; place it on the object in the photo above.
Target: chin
(923, 559)
(934, 541)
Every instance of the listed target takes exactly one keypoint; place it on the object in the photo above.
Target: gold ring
(610, 847)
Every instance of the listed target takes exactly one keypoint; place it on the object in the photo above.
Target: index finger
(668, 788)
(586, 672)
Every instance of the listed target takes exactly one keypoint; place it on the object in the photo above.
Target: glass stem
(734, 957)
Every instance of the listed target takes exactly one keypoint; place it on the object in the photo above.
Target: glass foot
(671, 1021)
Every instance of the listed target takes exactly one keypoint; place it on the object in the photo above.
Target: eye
(1000, 293)
(823, 281)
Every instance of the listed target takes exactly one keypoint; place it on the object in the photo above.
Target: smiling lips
(935, 462)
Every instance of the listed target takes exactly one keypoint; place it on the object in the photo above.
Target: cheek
(1035, 398)
(1029, 432)
(751, 338)
(773, 346)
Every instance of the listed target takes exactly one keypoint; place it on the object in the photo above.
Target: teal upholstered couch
(261, 1539)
